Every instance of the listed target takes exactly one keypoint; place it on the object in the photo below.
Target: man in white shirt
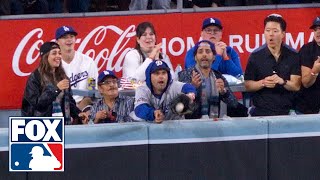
(78, 67)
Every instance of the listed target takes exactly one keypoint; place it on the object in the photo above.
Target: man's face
(109, 87)
(204, 56)
(159, 80)
(317, 34)
(212, 33)
(67, 42)
(273, 34)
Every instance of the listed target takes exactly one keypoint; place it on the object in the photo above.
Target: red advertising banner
(107, 39)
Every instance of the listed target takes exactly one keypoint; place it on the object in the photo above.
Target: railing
(280, 147)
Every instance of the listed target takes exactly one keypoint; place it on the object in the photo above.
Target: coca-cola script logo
(98, 36)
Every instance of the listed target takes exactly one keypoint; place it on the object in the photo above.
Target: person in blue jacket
(227, 60)
(153, 99)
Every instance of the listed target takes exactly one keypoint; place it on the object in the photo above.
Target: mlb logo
(36, 144)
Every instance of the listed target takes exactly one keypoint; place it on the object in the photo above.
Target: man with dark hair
(211, 86)
(153, 99)
(79, 67)
(308, 101)
(273, 72)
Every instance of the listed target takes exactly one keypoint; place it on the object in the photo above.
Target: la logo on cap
(318, 19)
(106, 72)
(159, 63)
(65, 28)
(212, 20)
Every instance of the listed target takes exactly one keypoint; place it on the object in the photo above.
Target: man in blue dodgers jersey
(78, 67)
(152, 100)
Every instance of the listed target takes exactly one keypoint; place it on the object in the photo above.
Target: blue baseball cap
(157, 65)
(63, 30)
(316, 22)
(105, 74)
(196, 46)
(211, 22)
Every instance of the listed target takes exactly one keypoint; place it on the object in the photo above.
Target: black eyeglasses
(211, 31)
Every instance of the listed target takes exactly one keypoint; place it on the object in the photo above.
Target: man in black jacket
(211, 86)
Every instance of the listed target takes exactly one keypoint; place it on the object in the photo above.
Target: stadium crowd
(15, 7)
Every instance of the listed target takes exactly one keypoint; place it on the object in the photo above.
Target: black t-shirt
(308, 99)
(261, 63)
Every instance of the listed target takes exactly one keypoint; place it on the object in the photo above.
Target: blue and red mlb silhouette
(36, 144)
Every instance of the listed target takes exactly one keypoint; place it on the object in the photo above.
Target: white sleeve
(93, 70)
(166, 59)
(132, 67)
(142, 96)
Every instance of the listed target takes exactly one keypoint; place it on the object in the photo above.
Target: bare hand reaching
(158, 116)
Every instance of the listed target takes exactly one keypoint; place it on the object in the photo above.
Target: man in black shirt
(308, 101)
(273, 71)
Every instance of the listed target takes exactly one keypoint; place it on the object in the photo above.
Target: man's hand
(84, 117)
(278, 80)
(196, 79)
(269, 81)
(220, 47)
(316, 66)
(158, 116)
(220, 86)
(100, 115)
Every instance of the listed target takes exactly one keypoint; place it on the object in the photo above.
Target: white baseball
(179, 107)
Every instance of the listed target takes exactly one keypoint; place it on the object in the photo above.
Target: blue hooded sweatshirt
(146, 102)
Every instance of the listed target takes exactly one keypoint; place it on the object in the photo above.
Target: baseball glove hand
(182, 104)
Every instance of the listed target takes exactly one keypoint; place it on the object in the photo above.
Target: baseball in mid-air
(179, 107)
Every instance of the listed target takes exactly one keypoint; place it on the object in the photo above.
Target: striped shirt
(121, 109)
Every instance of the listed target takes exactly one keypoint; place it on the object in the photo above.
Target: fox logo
(36, 144)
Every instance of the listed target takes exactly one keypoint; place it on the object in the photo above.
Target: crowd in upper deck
(15, 7)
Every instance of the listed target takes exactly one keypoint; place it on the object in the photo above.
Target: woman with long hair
(137, 60)
(48, 91)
